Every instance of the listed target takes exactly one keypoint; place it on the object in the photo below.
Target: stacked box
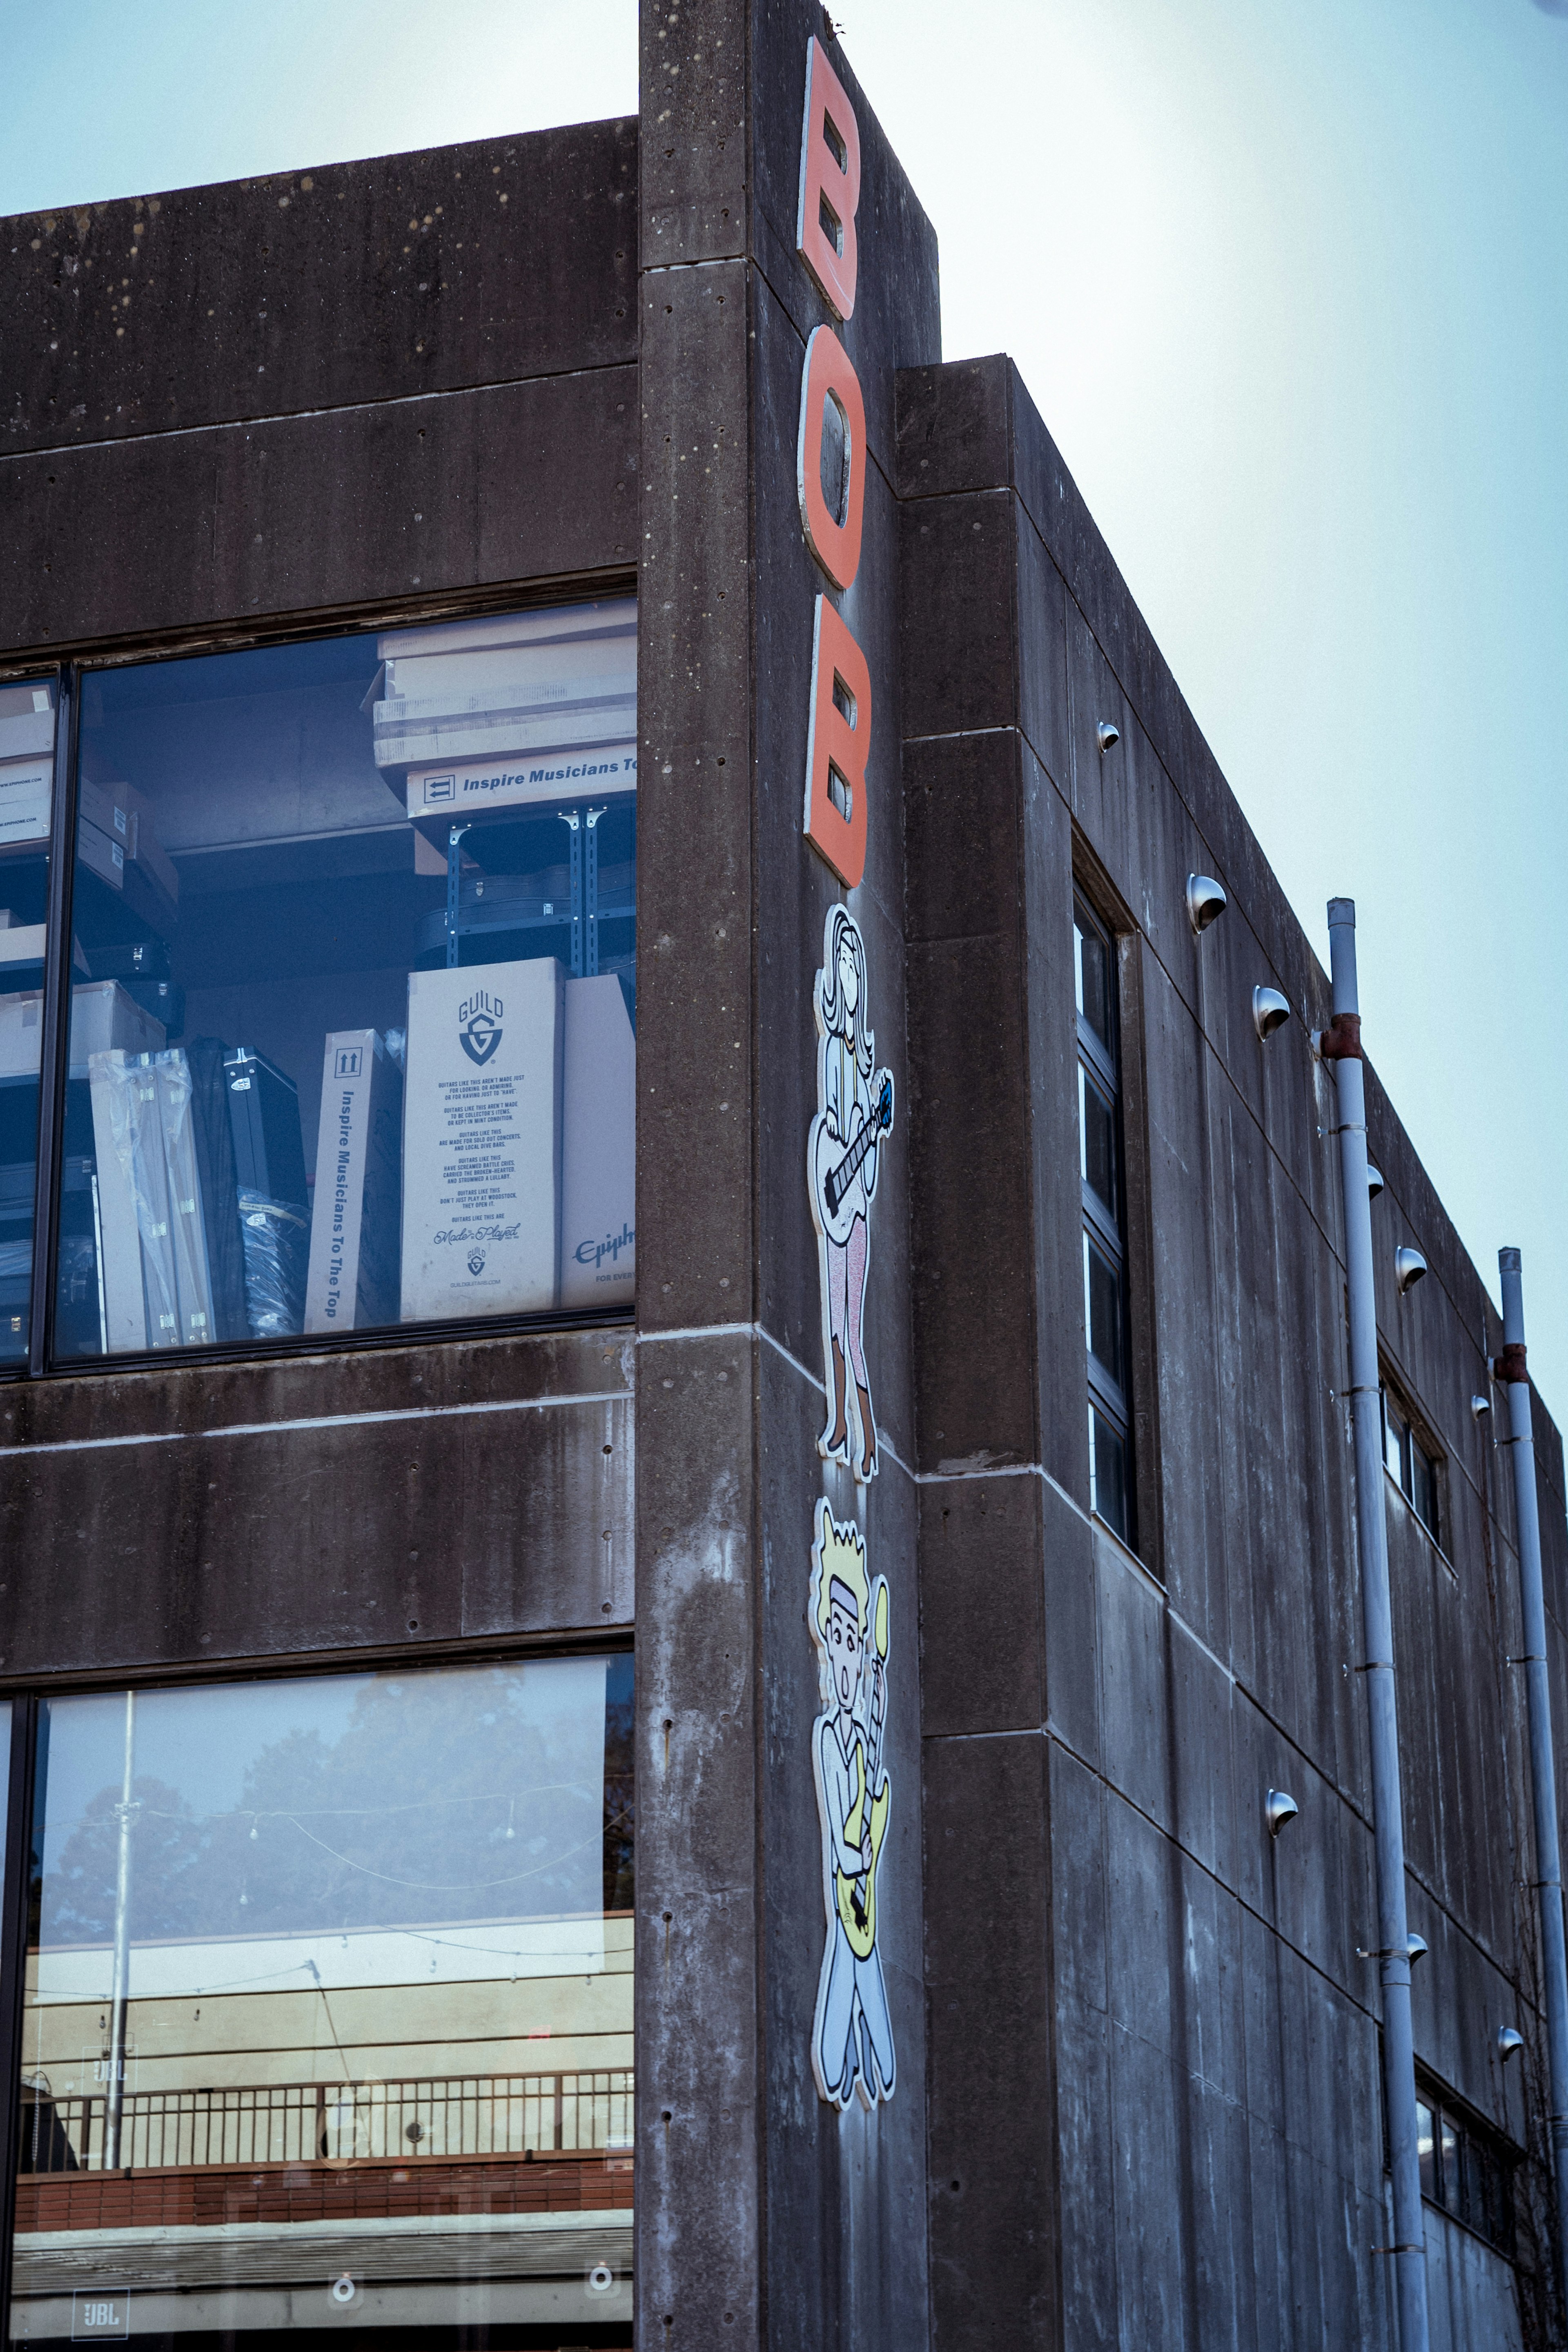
(502, 713)
(482, 1140)
(26, 762)
(351, 1283)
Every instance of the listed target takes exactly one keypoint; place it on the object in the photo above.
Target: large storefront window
(328, 2010)
(352, 1008)
(28, 713)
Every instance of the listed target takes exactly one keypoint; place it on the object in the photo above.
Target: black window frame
(23, 1823)
(1399, 1420)
(1480, 2197)
(67, 673)
(1104, 1224)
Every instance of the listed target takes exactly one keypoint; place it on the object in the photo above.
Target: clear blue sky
(1291, 288)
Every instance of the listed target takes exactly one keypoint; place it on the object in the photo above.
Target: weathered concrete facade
(1137, 2094)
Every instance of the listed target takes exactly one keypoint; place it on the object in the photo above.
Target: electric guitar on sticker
(856, 1896)
(838, 1195)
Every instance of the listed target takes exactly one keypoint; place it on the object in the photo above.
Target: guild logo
(475, 1261)
(479, 1026)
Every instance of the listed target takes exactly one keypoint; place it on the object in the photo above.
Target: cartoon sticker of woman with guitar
(851, 2035)
(854, 1113)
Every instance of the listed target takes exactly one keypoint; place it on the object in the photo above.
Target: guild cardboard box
(482, 1140)
(599, 1155)
(351, 1284)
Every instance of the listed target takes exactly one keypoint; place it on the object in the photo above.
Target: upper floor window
(26, 797)
(353, 1006)
(1412, 1467)
(1465, 2168)
(1104, 1243)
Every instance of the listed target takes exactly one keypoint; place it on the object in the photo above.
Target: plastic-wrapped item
(158, 1287)
(277, 1237)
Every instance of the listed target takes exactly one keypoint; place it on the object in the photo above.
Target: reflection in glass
(1097, 1129)
(353, 1009)
(1425, 2150)
(1102, 1297)
(1107, 1472)
(331, 1978)
(1092, 956)
(26, 801)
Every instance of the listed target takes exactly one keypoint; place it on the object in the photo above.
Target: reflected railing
(451, 2117)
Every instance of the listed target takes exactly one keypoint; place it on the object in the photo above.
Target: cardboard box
(511, 711)
(599, 1151)
(482, 1136)
(106, 807)
(351, 1283)
(28, 721)
(27, 798)
(101, 854)
(456, 788)
(23, 942)
(127, 816)
(103, 1019)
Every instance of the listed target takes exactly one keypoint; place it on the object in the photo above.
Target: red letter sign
(829, 183)
(835, 542)
(838, 747)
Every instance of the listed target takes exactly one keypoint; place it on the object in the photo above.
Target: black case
(263, 1120)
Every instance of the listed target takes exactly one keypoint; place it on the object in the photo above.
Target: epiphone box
(351, 1283)
(599, 1158)
(482, 1140)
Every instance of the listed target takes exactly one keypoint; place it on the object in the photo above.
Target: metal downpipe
(1510, 1371)
(1342, 1046)
(120, 1996)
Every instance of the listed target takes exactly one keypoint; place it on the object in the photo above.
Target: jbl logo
(349, 1061)
(96, 2315)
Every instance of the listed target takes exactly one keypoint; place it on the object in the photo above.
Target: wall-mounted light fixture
(1271, 1011)
(1409, 1265)
(1109, 736)
(1480, 1407)
(1509, 2042)
(1277, 1810)
(1204, 900)
(1373, 1182)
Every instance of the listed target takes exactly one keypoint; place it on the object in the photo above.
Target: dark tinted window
(352, 1013)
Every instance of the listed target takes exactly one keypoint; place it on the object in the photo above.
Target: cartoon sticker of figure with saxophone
(851, 2035)
(854, 1116)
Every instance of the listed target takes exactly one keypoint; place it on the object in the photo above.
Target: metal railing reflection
(451, 2117)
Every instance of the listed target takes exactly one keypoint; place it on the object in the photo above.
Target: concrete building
(953, 1432)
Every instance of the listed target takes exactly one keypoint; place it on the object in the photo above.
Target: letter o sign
(832, 528)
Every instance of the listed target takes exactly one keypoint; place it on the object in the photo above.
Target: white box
(23, 942)
(26, 720)
(599, 1150)
(482, 1133)
(351, 1284)
(103, 1019)
(26, 797)
(460, 786)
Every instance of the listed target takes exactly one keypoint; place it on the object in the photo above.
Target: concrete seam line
(315, 1420)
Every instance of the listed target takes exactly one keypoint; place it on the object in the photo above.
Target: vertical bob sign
(830, 475)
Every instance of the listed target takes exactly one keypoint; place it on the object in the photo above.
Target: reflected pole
(114, 2103)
